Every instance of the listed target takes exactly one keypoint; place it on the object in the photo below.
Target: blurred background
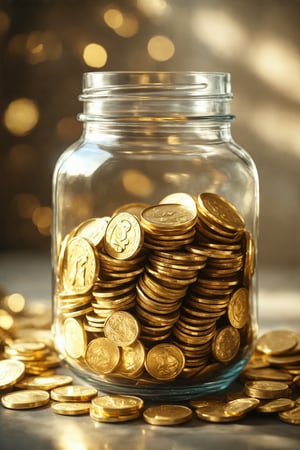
(46, 45)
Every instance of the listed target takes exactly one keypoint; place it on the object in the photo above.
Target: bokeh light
(160, 48)
(94, 55)
(113, 18)
(42, 217)
(129, 26)
(6, 320)
(25, 204)
(15, 302)
(133, 178)
(21, 116)
(4, 22)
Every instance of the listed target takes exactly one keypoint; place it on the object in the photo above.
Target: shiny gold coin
(25, 399)
(238, 308)
(277, 405)
(164, 361)
(226, 344)
(276, 342)
(75, 339)
(220, 211)
(102, 356)
(92, 229)
(249, 265)
(11, 371)
(291, 416)
(134, 208)
(167, 217)
(81, 266)
(217, 413)
(182, 199)
(165, 415)
(241, 406)
(73, 393)
(132, 359)
(267, 373)
(117, 404)
(45, 383)
(123, 237)
(122, 328)
(71, 409)
(264, 389)
(100, 416)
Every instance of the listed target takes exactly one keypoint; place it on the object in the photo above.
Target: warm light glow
(4, 22)
(21, 116)
(42, 217)
(154, 9)
(113, 18)
(137, 183)
(6, 320)
(68, 129)
(26, 204)
(15, 302)
(94, 55)
(21, 157)
(161, 48)
(129, 26)
(42, 46)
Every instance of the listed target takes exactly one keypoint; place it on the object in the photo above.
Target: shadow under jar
(155, 215)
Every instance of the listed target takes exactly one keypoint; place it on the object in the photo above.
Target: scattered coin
(71, 409)
(167, 415)
(25, 399)
(11, 372)
(73, 393)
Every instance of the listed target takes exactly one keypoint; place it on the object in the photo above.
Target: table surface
(279, 307)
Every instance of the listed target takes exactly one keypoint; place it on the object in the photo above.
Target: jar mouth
(139, 95)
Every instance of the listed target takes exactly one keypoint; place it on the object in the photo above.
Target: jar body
(154, 244)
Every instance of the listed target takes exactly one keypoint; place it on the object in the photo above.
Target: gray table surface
(40, 429)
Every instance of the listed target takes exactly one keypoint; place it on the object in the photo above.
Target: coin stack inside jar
(157, 293)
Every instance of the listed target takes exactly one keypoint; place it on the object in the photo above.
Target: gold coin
(45, 383)
(81, 266)
(264, 389)
(73, 393)
(220, 211)
(25, 399)
(238, 308)
(134, 208)
(226, 344)
(121, 328)
(291, 416)
(249, 265)
(276, 342)
(11, 371)
(266, 373)
(168, 217)
(132, 359)
(123, 237)
(100, 416)
(182, 199)
(117, 404)
(75, 339)
(164, 361)
(167, 414)
(71, 408)
(93, 229)
(216, 412)
(102, 356)
(241, 406)
(277, 405)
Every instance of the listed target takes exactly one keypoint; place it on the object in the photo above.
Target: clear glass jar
(155, 237)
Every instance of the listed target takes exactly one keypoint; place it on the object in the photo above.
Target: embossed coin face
(240, 406)
(168, 216)
(238, 308)
(25, 399)
(73, 393)
(74, 338)
(124, 236)
(132, 359)
(44, 383)
(118, 404)
(167, 414)
(277, 405)
(164, 361)
(264, 389)
(276, 342)
(291, 416)
(182, 199)
(216, 412)
(122, 328)
(11, 372)
(226, 344)
(102, 355)
(81, 266)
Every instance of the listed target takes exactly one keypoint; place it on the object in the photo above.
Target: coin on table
(238, 308)
(216, 412)
(226, 344)
(276, 342)
(81, 266)
(264, 389)
(45, 383)
(71, 409)
(291, 416)
(73, 393)
(11, 371)
(276, 405)
(241, 405)
(164, 361)
(123, 237)
(122, 328)
(100, 416)
(93, 229)
(75, 339)
(118, 404)
(25, 399)
(167, 414)
(102, 355)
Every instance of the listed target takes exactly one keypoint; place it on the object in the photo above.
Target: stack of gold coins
(116, 408)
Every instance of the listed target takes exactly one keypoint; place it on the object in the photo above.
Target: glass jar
(154, 237)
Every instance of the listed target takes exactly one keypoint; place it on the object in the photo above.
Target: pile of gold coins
(269, 384)
(157, 293)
